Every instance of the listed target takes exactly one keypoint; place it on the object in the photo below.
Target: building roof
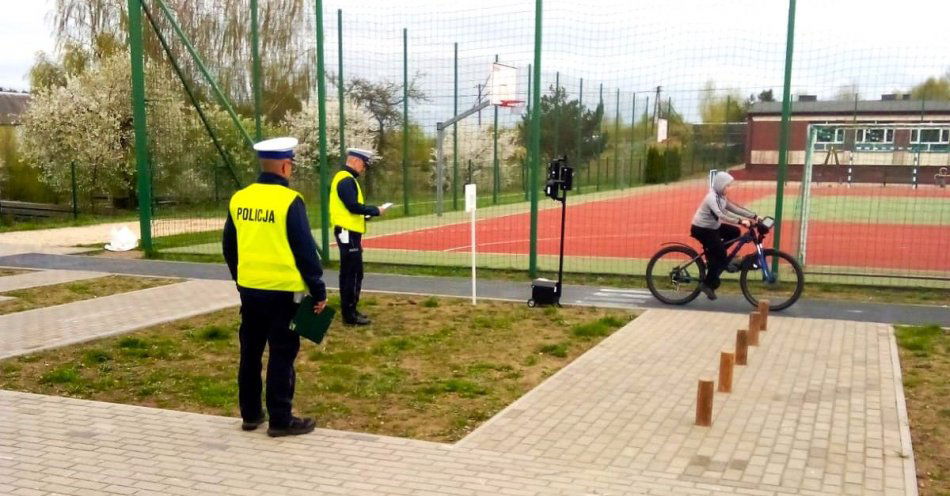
(12, 105)
(861, 107)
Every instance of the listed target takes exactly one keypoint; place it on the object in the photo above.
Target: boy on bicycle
(709, 229)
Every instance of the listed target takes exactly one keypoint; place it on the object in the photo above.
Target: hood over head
(720, 181)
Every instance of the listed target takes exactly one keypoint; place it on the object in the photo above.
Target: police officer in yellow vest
(273, 258)
(348, 215)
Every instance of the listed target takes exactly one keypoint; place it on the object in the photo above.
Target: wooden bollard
(764, 311)
(754, 324)
(704, 402)
(742, 347)
(726, 361)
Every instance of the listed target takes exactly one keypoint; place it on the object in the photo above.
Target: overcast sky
(23, 32)
(626, 45)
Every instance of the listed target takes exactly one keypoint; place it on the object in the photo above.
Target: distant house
(875, 151)
(12, 106)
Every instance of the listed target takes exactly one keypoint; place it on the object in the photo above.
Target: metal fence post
(455, 131)
(138, 120)
(496, 180)
(783, 132)
(617, 182)
(580, 124)
(256, 71)
(535, 145)
(405, 120)
(322, 139)
(72, 174)
(339, 80)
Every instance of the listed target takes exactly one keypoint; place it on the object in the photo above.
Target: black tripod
(560, 181)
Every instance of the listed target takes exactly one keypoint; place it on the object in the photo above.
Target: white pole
(471, 202)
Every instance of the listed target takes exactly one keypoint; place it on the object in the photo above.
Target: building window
(930, 136)
(875, 135)
(829, 135)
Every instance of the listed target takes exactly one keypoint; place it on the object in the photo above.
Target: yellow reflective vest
(339, 215)
(265, 260)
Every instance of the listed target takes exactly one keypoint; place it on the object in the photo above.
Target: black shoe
(251, 425)
(733, 266)
(297, 427)
(361, 314)
(709, 292)
(358, 320)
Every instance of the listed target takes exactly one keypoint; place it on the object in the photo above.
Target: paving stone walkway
(818, 411)
(33, 330)
(44, 278)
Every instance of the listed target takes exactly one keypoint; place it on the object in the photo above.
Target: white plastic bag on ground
(121, 239)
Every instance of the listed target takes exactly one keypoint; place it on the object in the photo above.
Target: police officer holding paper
(273, 258)
(348, 216)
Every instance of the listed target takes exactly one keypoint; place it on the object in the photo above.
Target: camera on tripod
(560, 179)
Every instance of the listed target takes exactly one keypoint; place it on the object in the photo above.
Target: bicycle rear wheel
(674, 274)
(785, 287)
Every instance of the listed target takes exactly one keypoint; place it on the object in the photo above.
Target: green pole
(580, 123)
(138, 121)
(339, 81)
(617, 182)
(405, 120)
(524, 166)
(783, 132)
(223, 100)
(496, 179)
(455, 131)
(600, 163)
(72, 172)
(557, 112)
(534, 150)
(633, 134)
(256, 71)
(322, 127)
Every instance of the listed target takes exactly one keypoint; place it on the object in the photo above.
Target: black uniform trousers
(716, 256)
(351, 271)
(265, 320)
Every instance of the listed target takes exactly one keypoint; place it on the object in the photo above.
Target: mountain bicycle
(676, 271)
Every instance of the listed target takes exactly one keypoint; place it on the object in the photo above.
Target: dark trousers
(265, 320)
(351, 271)
(716, 256)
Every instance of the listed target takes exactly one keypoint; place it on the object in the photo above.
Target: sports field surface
(867, 228)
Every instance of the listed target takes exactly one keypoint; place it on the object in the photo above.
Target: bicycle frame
(748, 237)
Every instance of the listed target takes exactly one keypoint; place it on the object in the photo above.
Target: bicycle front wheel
(674, 274)
(781, 287)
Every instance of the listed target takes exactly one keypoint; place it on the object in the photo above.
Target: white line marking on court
(621, 296)
(625, 291)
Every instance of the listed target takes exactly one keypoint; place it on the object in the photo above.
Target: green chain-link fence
(612, 77)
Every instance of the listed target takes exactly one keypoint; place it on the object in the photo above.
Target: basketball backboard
(503, 85)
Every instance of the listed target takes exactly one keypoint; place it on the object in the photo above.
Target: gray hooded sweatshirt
(715, 208)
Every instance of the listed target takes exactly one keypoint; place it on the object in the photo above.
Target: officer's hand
(319, 306)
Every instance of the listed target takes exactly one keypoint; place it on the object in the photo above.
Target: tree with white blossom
(87, 122)
(475, 146)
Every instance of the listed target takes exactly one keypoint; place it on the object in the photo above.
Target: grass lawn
(925, 361)
(865, 209)
(10, 225)
(428, 368)
(11, 272)
(87, 289)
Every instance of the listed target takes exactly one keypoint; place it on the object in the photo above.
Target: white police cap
(366, 155)
(276, 148)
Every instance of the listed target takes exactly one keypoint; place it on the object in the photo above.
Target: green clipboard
(311, 325)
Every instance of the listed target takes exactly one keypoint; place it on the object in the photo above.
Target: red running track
(635, 226)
